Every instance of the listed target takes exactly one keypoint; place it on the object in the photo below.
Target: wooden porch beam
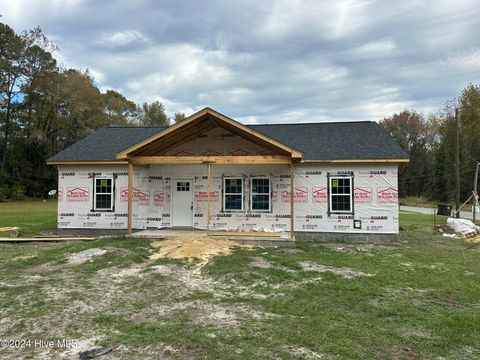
(209, 189)
(292, 202)
(192, 160)
(129, 210)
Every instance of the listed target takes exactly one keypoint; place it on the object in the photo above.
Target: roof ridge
(317, 123)
(135, 127)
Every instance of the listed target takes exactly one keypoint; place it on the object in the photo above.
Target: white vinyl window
(103, 193)
(233, 194)
(260, 194)
(341, 194)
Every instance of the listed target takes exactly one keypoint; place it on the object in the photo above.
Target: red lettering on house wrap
(300, 195)
(387, 196)
(320, 195)
(362, 195)
(202, 196)
(77, 194)
(159, 198)
(142, 197)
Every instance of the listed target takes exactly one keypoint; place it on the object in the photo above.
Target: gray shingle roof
(105, 143)
(317, 141)
(336, 141)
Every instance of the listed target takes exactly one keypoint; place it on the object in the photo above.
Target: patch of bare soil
(344, 272)
(86, 255)
(189, 248)
(261, 263)
(355, 248)
(292, 250)
(203, 312)
(302, 353)
(417, 334)
(43, 268)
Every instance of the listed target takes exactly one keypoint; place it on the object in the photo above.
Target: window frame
(241, 193)
(330, 195)
(111, 193)
(269, 194)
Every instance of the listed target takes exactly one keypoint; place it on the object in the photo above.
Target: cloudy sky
(268, 61)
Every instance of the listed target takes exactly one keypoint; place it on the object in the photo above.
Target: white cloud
(375, 48)
(120, 39)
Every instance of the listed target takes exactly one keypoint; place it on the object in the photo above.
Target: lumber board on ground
(26, 239)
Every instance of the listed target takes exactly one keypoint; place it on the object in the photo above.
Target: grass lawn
(416, 300)
(30, 216)
(418, 201)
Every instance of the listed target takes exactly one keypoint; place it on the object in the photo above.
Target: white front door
(182, 204)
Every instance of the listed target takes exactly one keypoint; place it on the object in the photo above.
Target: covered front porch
(223, 152)
(194, 201)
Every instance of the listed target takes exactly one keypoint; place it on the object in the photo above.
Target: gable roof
(345, 141)
(198, 123)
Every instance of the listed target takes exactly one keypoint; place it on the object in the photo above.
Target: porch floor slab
(168, 233)
(248, 238)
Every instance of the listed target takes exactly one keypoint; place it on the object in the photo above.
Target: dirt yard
(151, 300)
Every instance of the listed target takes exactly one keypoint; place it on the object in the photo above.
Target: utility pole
(457, 165)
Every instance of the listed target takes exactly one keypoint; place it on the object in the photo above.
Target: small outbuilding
(309, 180)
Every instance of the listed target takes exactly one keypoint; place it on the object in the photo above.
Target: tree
(414, 135)
(12, 77)
(153, 114)
(179, 117)
(117, 108)
(81, 110)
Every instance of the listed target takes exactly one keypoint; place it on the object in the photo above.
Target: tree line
(45, 107)
(430, 142)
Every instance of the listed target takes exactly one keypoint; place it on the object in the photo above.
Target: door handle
(191, 206)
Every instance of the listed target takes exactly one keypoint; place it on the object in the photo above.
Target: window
(183, 185)
(103, 198)
(340, 189)
(233, 194)
(260, 194)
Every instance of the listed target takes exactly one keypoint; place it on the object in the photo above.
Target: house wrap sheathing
(375, 198)
(374, 203)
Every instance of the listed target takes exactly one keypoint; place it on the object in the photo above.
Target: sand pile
(201, 248)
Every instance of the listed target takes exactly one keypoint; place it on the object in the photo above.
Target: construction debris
(195, 247)
(12, 229)
(463, 226)
(470, 232)
(94, 353)
(453, 236)
(473, 238)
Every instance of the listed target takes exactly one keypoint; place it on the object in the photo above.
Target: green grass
(421, 302)
(31, 217)
(410, 220)
(418, 201)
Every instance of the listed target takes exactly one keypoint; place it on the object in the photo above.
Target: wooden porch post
(292, 201)
(209, 186)
(129, 211)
